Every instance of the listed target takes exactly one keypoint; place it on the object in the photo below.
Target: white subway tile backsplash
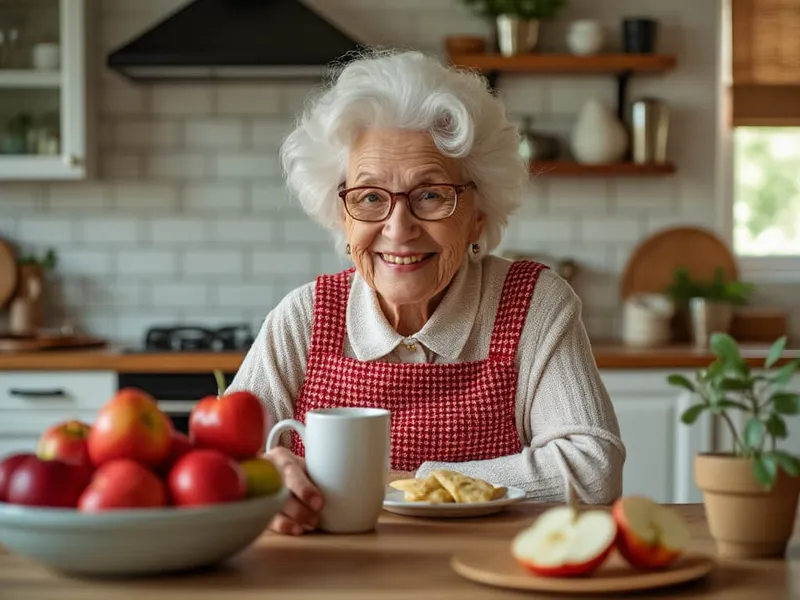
(284, 263)
(136, 134)
(121, 167)
(146, 263)
(273, 197)
(544, 230)
(257, 98)
(49, 230)
(215, 198)
(269, 132)
(188, 218)
(611, 229)
(144, 197)
(20, 198)
(76, 263)
(176, 165)
(214, 262)
(215, 133)
(245, 165)
(8, 227)
(256, 230)
(179, 295)
(243, 295)
(181, 99)
(110, 230)
(177, 230)
(305, 231)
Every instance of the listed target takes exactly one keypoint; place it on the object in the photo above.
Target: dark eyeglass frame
(457, 188)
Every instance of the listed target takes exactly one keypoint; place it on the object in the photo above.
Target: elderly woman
(483, 362)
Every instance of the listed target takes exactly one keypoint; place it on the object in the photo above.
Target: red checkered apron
(439, 412)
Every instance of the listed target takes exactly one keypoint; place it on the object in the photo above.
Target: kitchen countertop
(403, 558)
(608, 355)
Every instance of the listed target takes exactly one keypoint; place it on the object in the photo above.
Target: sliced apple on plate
(565, 543)
(651, 536)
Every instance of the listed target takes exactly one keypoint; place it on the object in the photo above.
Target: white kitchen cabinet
(44, 109)
(32, 401)
(660, 449)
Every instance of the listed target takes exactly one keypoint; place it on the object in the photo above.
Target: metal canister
(649, 131)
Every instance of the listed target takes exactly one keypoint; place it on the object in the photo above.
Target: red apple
(51, 483)
(130, 425)
(206, 476)
(7, 468)
(65, 441)
(180, 444)
(651, 536)
(236, 423)
(563, 543)
(123, 483)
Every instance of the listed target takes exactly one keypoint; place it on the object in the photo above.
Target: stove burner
(189, 338)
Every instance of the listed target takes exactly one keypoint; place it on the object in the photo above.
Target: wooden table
(403, 559)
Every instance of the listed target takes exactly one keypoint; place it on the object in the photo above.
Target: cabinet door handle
(56, 393)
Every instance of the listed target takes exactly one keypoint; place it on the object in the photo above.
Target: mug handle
(280, 427)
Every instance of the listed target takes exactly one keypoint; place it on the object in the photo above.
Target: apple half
(563, 543)
(651, 536)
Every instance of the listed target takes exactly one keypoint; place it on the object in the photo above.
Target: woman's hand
(301, 512)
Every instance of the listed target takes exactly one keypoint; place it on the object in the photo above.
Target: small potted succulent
(750, 492)
(516, 22)
(706, 306)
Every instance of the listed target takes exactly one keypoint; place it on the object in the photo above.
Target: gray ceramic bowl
(136, 542)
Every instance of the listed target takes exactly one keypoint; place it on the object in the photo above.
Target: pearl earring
(476, 248)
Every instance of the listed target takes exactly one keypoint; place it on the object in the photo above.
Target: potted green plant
(750, 491)
(516, 22)
(707, 306)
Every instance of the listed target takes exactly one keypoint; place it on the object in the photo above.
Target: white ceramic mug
(347, 452)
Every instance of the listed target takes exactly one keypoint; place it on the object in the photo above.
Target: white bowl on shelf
(136, 542)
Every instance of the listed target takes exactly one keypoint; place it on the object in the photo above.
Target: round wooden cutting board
(499, 569)
(9, 273)
(652, 265)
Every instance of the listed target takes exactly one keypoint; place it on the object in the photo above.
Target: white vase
(598, 136)
(585, 37)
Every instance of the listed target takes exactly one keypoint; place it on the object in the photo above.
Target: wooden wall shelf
(566, 63)
(574, 169)
(621, 66)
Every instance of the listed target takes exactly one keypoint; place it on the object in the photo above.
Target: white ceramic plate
(394, 502)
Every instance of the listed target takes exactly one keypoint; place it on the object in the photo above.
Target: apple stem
(221, 385)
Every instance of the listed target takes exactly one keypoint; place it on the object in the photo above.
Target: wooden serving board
(653, 263)
(48, 342)
(498, 568)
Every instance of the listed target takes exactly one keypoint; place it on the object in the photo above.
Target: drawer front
(56, 391)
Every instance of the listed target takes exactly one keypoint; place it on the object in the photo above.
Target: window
(766, 191)
(765, 113)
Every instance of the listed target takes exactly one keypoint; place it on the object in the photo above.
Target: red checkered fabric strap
(513, 310)
(330, 312)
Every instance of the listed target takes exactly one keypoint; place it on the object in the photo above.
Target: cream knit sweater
(563, 411)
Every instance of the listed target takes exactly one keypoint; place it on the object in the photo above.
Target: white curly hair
(408, 90)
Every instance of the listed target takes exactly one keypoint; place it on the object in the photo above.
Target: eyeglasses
(427, 202)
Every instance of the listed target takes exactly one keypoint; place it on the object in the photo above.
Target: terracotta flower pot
(745, 519)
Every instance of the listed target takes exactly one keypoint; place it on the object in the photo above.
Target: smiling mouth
(404, 260)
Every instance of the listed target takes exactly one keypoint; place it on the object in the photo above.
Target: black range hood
(238, 39)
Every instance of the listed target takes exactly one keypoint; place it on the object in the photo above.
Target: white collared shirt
(563, 412)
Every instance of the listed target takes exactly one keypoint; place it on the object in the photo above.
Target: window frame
(754, 269)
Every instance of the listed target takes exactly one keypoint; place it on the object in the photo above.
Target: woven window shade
(766, 62)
